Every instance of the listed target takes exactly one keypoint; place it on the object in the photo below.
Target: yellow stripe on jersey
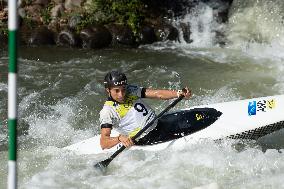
(123, 108)
(133, 133)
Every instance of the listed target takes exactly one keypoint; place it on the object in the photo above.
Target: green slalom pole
(12, 94)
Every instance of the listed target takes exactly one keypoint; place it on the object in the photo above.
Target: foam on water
(3, 87)
(254, 37)
(3, 117)
(203, 23)
(56, 128)
(257, 28)
(256, 22)
(200, 165)
(224, 94)
(3, 137)
(253, 52)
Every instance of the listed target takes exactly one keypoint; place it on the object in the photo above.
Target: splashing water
(258, 26)
(61, 108)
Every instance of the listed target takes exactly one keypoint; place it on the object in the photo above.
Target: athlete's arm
(166, 94)
(107, 142)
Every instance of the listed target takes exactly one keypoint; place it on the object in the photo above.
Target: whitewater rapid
(61, 94)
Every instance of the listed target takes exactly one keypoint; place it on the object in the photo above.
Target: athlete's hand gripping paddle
(103, 164)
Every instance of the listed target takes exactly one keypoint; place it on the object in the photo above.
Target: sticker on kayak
(260, 106)
(199, 117)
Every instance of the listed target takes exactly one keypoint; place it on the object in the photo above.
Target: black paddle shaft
(103, 164)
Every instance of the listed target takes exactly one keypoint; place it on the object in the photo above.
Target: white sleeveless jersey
(128, 117)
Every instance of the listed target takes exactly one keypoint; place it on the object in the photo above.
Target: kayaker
(125, 110)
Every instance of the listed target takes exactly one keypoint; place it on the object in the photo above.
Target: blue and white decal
(260, 106)
(252, 108)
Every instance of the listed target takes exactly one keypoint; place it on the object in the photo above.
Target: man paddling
(126, 111)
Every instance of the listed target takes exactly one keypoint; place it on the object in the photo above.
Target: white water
(257, 22)
(200, 165)
(62, 110)
(254, 37)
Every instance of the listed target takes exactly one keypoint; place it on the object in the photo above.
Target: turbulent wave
(252, 27)
(204, 26)
(258, 21)
(59, 103)
(253, 38)
(223, 165)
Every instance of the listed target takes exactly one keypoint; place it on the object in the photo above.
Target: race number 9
(141, 108)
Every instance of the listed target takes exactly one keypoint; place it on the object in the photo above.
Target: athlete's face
(117, 93)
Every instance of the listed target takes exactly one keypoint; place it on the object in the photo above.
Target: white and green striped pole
(12, 94)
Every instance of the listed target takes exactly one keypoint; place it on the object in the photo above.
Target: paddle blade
(102, 165)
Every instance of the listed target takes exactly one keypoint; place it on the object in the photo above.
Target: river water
(61, 94)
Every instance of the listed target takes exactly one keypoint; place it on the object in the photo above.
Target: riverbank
(98, 24)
